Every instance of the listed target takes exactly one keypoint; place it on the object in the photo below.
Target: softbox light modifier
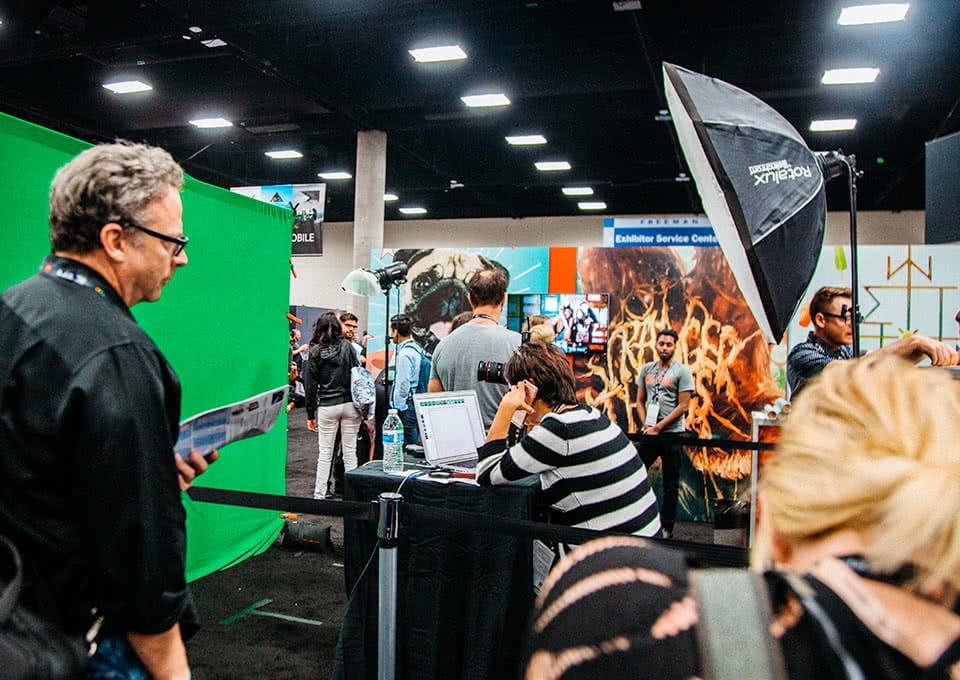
(761, 188)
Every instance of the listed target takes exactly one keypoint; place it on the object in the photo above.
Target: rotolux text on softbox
(761, 187)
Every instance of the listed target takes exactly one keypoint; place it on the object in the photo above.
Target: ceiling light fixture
(127, 86)
(873, 14)
(552, 166)
(196, 29)
(211, 122)
(525, 140)
(414, 210)
(283, 154)
(213, 42)
(484, 100)
(577, 191)
(390, 197)
(849, 76)
(834, 125)
(428, 55)
(335, 174)
(592, 205)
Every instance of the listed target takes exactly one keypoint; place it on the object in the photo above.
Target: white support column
(370, 184)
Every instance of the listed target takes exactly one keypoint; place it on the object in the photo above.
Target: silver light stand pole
(387, 532)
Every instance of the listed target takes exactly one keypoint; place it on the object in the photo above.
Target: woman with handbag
(329, 402)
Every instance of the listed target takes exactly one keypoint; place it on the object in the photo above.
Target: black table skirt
(463, 597)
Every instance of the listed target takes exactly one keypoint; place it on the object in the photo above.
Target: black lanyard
(657, 378)
(79, 274)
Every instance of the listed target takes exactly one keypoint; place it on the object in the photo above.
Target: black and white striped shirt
(590, 472)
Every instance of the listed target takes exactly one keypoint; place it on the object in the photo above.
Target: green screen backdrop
(221, 322)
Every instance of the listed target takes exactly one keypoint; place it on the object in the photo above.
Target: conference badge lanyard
(653, 406)
(76, 273)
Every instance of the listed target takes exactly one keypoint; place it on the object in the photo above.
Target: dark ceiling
(309, 74)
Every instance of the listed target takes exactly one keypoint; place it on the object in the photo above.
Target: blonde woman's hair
(542, 332)
(872, 445)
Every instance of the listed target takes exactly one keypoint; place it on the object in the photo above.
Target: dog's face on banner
(436, 288)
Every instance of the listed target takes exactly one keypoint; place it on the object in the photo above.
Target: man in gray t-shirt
(456, 357)
(663, 396)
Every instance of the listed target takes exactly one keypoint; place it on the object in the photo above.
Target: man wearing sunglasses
(831, 316)
(89, 412)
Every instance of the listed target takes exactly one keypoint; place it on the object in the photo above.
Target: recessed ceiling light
(335, 174)
(525, 140)
(196, 29)
(835, 125)
(492, 99)
(441, 53)
(283, 154)
(551, 166)
(390, 197)
(577, 191)
(592, 205)
(414, 210)
(873, 14)
(127, 86)
(849, 76)
(211, 122)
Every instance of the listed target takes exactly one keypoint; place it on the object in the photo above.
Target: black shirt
(89, 412)
(328, 375)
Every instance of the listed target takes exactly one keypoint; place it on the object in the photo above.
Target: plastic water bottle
(392, 442)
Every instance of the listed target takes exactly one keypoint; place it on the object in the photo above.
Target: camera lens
(491, 372)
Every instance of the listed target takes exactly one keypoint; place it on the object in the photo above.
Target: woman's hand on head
(516, 399)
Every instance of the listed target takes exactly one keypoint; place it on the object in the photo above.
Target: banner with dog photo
(436, 287)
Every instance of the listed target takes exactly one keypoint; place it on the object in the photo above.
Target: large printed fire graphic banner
(692, 290)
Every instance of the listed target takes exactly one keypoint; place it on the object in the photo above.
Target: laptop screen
(451, 429)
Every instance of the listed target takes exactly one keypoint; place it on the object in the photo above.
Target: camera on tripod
(491, 372)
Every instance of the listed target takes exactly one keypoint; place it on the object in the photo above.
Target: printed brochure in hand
(217, 427)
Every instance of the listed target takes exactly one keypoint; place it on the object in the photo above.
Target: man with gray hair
(89, 415)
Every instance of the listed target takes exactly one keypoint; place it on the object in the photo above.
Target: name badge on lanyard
(653, 412)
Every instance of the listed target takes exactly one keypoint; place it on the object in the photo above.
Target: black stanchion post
(388, 530)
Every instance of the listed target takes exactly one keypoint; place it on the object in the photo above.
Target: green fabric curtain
(221, 323)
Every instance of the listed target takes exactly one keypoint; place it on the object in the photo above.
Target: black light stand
(831, 165)
(393, 274)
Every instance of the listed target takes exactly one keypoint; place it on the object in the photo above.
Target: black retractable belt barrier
(681, 438)
(415, 514)
(305, 506)
(697, 553)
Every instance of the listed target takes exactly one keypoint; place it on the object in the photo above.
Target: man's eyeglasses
(180, 241)
(846, 314)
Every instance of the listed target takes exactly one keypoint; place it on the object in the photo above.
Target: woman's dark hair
(546, 367)
(327, 330)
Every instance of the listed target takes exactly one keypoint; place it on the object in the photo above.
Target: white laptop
(451, 429)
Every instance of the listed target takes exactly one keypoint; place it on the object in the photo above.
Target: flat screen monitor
(579, 320)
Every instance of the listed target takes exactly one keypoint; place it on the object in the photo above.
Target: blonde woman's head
(872, 445)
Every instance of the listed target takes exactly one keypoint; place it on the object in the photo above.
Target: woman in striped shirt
(590, 473)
